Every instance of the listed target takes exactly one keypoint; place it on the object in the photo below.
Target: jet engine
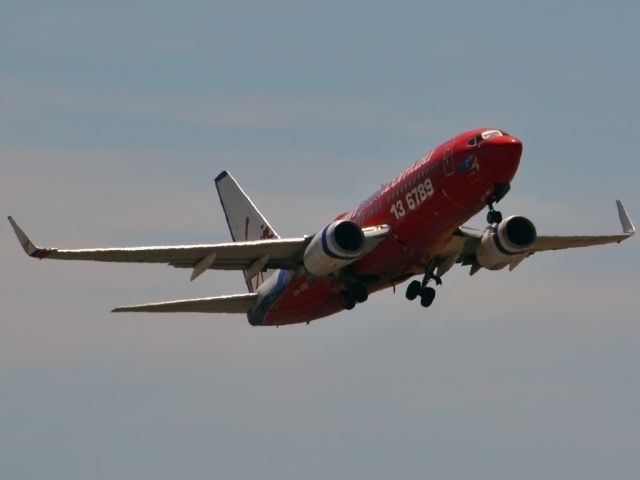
(335, 246)
(499, 243)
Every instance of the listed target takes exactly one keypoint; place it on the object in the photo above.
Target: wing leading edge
(545, 243)
(463, 245)
(274, 253)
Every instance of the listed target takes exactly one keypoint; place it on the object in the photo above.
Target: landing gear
(356, 293)
(347, 301)
(427, 295)
(359, 292)
(420, 289)
(493, 216)
(500, 190)
(413, 290)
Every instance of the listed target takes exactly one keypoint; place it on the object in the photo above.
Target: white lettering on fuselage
(301, 289)
(413, 199)
(394, 192)
(409, 171)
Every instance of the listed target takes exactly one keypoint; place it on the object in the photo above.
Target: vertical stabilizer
(245, 221)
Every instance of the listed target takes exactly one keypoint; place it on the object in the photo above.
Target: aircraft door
(448, 160)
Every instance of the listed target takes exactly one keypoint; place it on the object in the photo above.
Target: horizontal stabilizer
(241, 303)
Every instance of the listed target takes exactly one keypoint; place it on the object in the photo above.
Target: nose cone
(502, 156)
(506, 145)
(515, 145)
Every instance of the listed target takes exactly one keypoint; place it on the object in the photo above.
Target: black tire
(494, 216)
(359, 293)
(347, 301)
(413, 290)
(427, 295)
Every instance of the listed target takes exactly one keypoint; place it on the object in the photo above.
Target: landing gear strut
(420, 289)
(500, 190)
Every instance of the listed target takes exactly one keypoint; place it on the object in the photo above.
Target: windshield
(491, 134)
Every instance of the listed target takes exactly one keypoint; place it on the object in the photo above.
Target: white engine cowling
(335, 246)
(499, 243)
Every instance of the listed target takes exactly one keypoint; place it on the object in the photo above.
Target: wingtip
(221, 175)
(625, 220)
(27, 245)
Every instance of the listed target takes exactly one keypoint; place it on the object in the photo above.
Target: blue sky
(115, 118)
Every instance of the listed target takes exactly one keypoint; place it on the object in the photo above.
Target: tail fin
(245, 221)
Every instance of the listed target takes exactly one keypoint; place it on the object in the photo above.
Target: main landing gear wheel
(413, 290)
(347, 301)
(417, 289)
(356, 293)
(427, 295)
(359, 293)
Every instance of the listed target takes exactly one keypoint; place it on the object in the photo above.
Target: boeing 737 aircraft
(411, 226)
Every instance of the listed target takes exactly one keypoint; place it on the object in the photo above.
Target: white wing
(465, 241)
(252, 256)
(544, 243)
(271, 253)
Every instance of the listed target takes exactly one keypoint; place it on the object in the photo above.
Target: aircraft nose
(506, 147)
(515, 145)
(503, 155)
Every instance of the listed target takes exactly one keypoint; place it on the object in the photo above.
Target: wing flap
(240, 303)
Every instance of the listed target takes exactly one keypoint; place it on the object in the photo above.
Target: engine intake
(513, 236)
(335, 246)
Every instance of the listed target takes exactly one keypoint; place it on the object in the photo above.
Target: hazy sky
(116, 116)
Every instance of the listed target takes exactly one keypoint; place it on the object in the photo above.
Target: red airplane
(411, 226)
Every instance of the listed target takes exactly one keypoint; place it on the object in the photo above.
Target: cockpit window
(487, 134)
(473, 141)
(491, 134)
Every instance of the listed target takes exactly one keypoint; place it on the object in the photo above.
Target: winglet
(27, 244)
(627, 226)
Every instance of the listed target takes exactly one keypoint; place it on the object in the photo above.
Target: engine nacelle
(335, 246)
(499, 243)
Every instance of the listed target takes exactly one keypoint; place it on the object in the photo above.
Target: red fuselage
(424, 206)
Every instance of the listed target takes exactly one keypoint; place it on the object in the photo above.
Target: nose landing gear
(493, 216)
(500, 190)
